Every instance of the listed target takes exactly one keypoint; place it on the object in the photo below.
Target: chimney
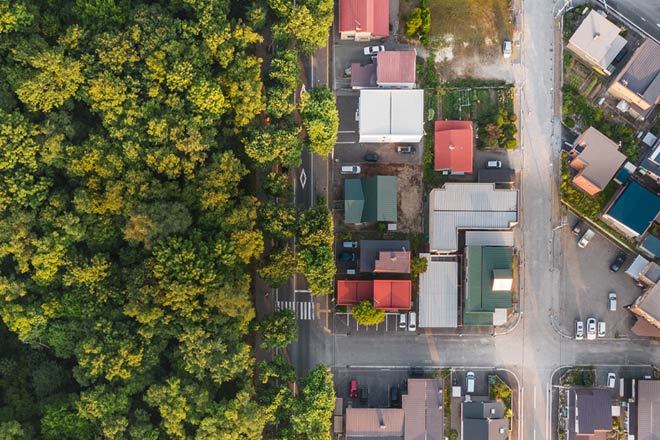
(596, 35)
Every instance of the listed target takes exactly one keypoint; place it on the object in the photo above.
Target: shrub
(366, 314)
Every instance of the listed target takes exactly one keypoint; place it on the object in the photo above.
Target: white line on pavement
(345, 143)
(346, 131)
(534, 397)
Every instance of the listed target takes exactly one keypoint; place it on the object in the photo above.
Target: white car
(579, 330)
(373, 50)
(611, 301)
(402, 321)
(611, 380)
(591, 329)
(350, 244)
(469, 382)
(412, 321)
(506, 49)
(601, 329)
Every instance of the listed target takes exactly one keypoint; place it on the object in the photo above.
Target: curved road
(533, 350)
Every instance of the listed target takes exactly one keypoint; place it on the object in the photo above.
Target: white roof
(637, 267)
(599, 39)
(391, 115)
(499, 316)
(469, 206)
(489, 238)
(438, 294)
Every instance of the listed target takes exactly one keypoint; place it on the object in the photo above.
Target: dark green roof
(480, 300)
(370, 199)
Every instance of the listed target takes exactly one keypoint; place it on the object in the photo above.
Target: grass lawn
(472, 21)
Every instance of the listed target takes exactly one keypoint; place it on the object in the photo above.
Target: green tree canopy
(366, 314)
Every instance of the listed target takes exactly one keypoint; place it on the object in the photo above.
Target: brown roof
(363, 76)
(647, 306)
(396, 66)
(648, 409)
(642, 73)
(644, 328)
(392, 262)
(374, 423)
(423, 409)
(599, 160)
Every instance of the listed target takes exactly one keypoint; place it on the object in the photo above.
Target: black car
(371, 157)
(618, 262)
(577, 227)
(395, 397)
(347, 256)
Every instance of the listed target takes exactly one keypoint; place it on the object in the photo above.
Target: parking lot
(377, 382)
(345, 324)
(586, 281)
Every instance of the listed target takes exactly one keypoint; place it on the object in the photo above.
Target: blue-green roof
(635, 208)
(480, 299)
(652, 244)
(370, 199)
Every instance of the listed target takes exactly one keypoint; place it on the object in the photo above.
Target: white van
(493, 164)
(402, 321)
(412, 321)
(469, 382)
(351, 169)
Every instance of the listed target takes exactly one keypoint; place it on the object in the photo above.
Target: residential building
(370, 199)
(384, 294)
(391, 115)
(638, 83)
(648, 409)
(438, 293)
(421, 416)
(651, 244)
(633, 211)
(468, 206)
(597, 42)
(454, 147)
(644, 271)
(363, 76)
(488, 285)
(484, 420)
(647, 306)
(489, 238)
(590, 414)
(650, 166)
(373, 251)
(363, 20)
(396, 69)
(597, 159)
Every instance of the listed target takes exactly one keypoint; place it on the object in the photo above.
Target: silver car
(579, 330)
(591, 329)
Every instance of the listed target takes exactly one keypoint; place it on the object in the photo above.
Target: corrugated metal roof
(391, 115)
(353, 201)
(479, 295)
(352, 292)
(371, 16)
(380, 423)
(642, 73)
(445, 225)
(392, 294)
(380, 198)
(593, 406)
(454, 146)
(423, 411)
(396, 67)
(598, 39)
(648, 409)
(438, 294)
(489, 238)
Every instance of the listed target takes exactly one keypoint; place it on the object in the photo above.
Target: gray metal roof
(423, 409)
(369, 250)
(438, 294)
(489, 238)
(594, 410)
(469, 206)
(374, 423)
(642, 73)
(483, 410)
(648, 409)
(481, 429)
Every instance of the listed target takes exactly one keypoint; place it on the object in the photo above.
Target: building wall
(397, 85)
(357, 36)
(587, 59)
(619, 91)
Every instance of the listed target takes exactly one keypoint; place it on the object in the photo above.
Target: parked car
(577, 227)
(416, 372)
(364, 395)
(371, 157)
(611, 301)
(395, 397)
(403, 323)
(586, 238)
(412, 321)
(373, 50)
(506, 49)
(493, 164)
(591, 328)
(611, 380)
(579, 330)
(351, 169)
(618, 262)
(347, 256)
(601, 329)
(405, 149)
(353, 389)
(350, 244)
(469, 382)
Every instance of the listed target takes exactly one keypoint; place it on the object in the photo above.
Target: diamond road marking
(303, 178)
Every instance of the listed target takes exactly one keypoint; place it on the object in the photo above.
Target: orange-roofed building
(392, 294)
(353, 292)
(362, 20)
(396, 68)
(454, 146)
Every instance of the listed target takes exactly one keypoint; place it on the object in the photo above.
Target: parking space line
(347, 131)
(351, 143)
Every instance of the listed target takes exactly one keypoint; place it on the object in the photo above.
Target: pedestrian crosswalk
(304, 310)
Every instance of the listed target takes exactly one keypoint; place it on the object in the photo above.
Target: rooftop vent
(501, 430)
(596, 35)
(492, 410)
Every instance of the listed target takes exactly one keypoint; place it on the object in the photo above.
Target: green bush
(366, 314)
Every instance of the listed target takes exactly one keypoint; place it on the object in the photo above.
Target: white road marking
(346, 143)
(657, 24)
(346, 131)
(534, 397)
(643, 19)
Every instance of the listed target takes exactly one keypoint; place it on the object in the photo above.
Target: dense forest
(143, 154)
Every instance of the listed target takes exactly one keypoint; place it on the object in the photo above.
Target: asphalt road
(643, 13)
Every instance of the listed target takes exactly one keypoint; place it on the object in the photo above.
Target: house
(438, 293)
(373, 251)
(484, 420)
(644, 271)
(647, 306)
(468, 206)
(633, 211)
(391, 115)
(385, 294)
(488, 285)
(638, 83)
(597, 42)
(648, 409)
(363, 20)
(650, 166)
(421, 416)
(363, 76)
(597, 159)
(454, 146)
(590, 414)
(651, 244)
(370, 199)
(396, 68)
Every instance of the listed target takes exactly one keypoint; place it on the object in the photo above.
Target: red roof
(372, 16)
(392, 294)
(454, 146)
(396, 66)
(352, 292)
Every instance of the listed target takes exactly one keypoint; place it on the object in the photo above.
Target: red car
(354, 389)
